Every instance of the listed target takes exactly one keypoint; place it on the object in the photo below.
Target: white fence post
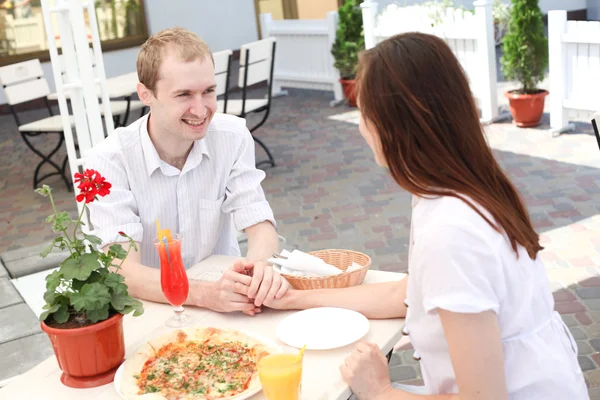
(265, 24)
(369, 14)
(266, 21)
(486, 53)
(332, 23)
(557, 23)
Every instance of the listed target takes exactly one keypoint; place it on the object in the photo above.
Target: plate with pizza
(199, 363)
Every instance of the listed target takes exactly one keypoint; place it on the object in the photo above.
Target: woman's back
(459, 263)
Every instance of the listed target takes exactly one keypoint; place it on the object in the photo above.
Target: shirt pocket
(209, 221)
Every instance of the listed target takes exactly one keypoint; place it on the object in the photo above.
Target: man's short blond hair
(187, 44)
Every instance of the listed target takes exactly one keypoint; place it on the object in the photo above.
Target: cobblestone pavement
(327, 192)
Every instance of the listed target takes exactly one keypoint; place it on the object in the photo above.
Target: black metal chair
(24, 82)
(257, 61)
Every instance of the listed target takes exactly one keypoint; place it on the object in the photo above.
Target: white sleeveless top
(458, 263)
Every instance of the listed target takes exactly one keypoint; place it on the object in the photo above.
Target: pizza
(195, 364)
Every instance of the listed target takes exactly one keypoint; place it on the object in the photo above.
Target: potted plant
(349, 41)
(525, 59)
(86, 297)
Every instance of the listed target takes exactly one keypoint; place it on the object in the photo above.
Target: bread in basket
(341, 259)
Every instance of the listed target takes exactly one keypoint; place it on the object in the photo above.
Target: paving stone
(395, 360)
(592, 304)
(402, 373)
(592, 331)
(17, 321)
(589, 292)
(20, 355)
(595, 343)
(584, 348)
(594, 394)
(585, 363)
(569, 320)
(577, 333)
(27, 260)
(593, 378)
(3, 271)
(8, 293)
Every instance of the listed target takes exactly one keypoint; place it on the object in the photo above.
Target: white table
(321, 379)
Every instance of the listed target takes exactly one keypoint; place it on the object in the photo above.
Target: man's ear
(144, 94)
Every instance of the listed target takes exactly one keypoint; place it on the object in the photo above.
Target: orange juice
(280, 376)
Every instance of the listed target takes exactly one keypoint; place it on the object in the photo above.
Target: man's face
(185, 100)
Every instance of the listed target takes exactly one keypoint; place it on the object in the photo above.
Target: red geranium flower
(91, 184)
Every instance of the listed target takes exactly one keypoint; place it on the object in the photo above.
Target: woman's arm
(374, 301)
(475, 348)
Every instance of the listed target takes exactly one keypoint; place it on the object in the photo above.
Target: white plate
(119, 374)
(323, 328)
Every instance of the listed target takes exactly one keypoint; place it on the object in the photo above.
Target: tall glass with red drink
(173, 278)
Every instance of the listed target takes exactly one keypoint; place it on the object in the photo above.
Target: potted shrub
(525, 59)
(349, 41)
(86, 297)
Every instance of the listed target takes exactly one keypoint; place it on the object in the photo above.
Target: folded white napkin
(299, 263)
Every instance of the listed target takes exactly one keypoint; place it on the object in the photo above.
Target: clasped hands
(247, 286)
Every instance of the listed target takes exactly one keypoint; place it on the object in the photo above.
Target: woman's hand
(366, 372)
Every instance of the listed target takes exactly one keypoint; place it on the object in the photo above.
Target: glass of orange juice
(280, 376)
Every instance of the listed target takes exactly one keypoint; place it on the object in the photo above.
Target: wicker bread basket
(341, 259)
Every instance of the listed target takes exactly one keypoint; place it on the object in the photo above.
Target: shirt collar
(152, 158)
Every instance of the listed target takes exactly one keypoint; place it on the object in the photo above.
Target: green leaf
(93, 239)
(50, 296)
(62, 221)
(95, 276)
(139, 308)
(62, 315)
(79, 268)
(93, 296)
(53, 280)
(119, 301)
(47, 250)
(50, 218)
(98, 315)
(118, 251)
(49, 309)
(113, 280)
(136, 306)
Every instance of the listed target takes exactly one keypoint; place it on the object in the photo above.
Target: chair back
(23, 82)
(222, 68)
(256, 62)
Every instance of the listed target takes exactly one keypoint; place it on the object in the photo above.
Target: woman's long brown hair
(414, 93)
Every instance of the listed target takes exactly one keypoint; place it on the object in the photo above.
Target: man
(193, 171)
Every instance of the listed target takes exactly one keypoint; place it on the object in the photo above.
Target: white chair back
(222, 67)
(23, 82)
(257, 58)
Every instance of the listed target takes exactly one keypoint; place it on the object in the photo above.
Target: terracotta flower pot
(349, 88)
(89, 356)
(526, 109)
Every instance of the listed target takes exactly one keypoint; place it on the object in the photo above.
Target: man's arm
(144, 283)
(266, 283)
(262, 242)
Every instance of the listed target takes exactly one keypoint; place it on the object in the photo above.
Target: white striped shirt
(217, 191)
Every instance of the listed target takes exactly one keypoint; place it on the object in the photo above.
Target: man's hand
(227, 298)
(366, 372)
(266, 284)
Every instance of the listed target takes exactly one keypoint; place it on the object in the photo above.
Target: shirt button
(406, 303)
(416, 356)
(405, 331)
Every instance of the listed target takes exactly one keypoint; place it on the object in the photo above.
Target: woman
(477, 301)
